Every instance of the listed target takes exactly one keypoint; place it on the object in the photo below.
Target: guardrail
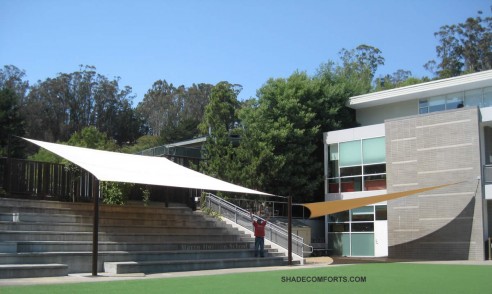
(172, 151)
(240, 216)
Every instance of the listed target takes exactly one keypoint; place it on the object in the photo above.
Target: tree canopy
(11, 124)
(61, 106)
(173, 113)
(463, 47)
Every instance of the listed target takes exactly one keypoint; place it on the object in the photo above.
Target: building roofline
(188, 142)
(423, 90)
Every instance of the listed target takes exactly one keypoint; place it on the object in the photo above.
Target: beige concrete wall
(428, 150)
(378, 114)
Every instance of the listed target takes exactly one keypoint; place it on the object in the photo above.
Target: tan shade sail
(129, 168)
(328, 207)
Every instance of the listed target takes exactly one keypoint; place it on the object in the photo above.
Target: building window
(437, 103)
(473, 97)
(350, 153)
(357, 166)
(478, 97)
(363, 214)
(351, 233)
(487, 97)
(454, 101)
(381, 212)
(423, 106)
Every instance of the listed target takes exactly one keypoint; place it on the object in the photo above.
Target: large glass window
(362, 244)
(473, 97)
(339, 243)
(454, 100)
(374, 150)
(350, 153)
(437, 104)
(357, 166)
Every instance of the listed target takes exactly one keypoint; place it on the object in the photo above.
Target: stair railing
(240, 216)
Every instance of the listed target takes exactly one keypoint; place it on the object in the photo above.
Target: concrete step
(6, 236)
(11, 271)
(78, 246)
(149, 267)
(169, 214)
(88, 207)
(76, 258)
(188, 220)
(73, 227)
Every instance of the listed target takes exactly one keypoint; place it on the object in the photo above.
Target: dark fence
(43, 180)
(29, 179)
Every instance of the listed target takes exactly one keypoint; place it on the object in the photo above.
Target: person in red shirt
(259, 226)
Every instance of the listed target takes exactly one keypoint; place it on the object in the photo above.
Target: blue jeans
(259, 246)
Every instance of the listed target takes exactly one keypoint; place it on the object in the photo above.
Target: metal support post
(289, 243)
(95, 228)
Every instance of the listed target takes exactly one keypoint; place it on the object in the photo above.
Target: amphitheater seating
(47, 238)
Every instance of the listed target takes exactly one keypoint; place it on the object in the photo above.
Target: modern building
(418, 136)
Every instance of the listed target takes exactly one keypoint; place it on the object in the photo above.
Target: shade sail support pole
(95, 228)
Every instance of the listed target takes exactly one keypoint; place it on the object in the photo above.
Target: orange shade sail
(318, 209)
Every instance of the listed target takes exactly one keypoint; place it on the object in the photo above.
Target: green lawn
(372, 278)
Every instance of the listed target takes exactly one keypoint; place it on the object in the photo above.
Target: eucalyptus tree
(173, 113)
(464, 47)
(60, 106)
(13, 78)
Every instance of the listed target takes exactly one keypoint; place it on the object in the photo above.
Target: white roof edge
(187, 142)
(414, 91)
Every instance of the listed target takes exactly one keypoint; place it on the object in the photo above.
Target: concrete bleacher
(47, 238)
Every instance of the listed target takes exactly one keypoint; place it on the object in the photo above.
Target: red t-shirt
(259, 229)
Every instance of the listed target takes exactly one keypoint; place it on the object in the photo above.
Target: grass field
(362, 278)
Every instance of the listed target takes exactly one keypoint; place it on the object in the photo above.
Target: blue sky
(199, 41)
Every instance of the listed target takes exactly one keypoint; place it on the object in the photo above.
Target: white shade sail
(139, 169)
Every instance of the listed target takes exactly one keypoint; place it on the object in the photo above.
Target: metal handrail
(178, 151)
(273, 233)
